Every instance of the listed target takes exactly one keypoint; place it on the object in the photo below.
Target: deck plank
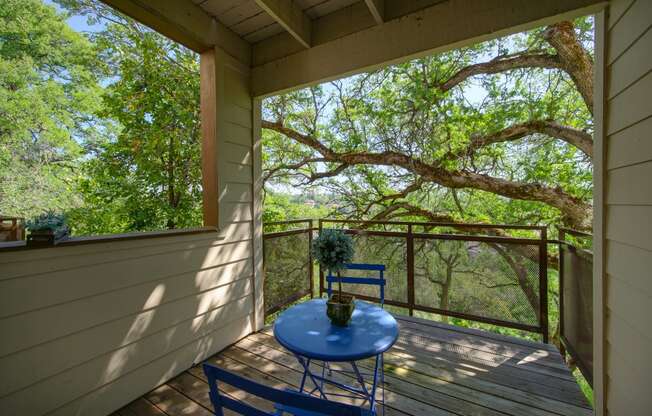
(434, 369)
(548, 356)
(140, 407)
(535, 360)
(425, 323)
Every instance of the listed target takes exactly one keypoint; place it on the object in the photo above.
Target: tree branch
(575, 211)
(574, 59)
(501, 64)
(292, 166)
(578, 138)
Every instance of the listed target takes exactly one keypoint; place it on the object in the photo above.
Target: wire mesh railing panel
(287, 268)
(490, 280)
(495, 279)
(577, 306)
(389, 251)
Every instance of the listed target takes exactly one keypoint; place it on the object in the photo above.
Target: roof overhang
(287, 49)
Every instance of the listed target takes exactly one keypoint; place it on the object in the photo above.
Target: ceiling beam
(377, 9)
(293, 19)
(441, 27)
(185, 23)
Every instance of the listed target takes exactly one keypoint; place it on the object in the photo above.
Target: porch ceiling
(294, 43)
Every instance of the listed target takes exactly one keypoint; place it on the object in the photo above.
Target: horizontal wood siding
(86, 329)
(628, 199)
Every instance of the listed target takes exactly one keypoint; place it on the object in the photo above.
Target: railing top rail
(285, 233)
(575, 232)
(461, 237)
(437, 224)
(307, 220)
(417, 223)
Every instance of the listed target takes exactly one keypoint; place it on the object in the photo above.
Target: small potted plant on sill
(47, 229)
(333, 249)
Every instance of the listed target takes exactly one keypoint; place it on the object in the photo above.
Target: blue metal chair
(378, 280)
(285, 402)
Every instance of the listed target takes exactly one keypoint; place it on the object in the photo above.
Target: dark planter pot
(44, 238)
(40, 238)
(340, 310)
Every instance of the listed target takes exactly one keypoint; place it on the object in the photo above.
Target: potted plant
(46, 229)
(333, 249)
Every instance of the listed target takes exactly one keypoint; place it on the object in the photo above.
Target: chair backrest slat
(288, 398)
(378, 280)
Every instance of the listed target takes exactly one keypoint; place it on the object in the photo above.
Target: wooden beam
(293, 19)
(377, 9)
(186, 23)
(209, 152)
(600, 214)
(441, 27)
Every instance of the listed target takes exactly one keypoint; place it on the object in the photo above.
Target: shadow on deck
(434, 369)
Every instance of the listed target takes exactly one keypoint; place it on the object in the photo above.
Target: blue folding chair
(285, 402)
(378, 280)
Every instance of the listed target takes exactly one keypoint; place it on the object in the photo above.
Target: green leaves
(104, 126)
(48, 91)
(332, 249)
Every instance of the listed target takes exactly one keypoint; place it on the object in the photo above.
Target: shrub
(50, 220)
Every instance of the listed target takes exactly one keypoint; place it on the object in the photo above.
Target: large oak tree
(499, 132)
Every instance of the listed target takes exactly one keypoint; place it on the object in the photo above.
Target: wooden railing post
(410, 269)
(321, 272)
(562, 238)
(543, 284)
(311, 273)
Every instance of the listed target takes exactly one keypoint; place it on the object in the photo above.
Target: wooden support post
(257, 216)
(208, 114)
(410, 269)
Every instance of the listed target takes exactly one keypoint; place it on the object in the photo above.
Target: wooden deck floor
(434, 369)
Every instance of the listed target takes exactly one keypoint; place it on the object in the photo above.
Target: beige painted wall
(88, 328)
(628, 208)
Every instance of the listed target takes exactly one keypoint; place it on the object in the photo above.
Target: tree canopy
(102, 125)
(496, 132)
(49, 93)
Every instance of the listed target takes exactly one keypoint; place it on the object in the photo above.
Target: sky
(78, 23)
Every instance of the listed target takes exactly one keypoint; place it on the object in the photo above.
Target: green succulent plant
(333, 249)
(56, 222)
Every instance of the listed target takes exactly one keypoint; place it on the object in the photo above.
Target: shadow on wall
(88, 328)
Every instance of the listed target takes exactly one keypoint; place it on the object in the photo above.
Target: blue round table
(306, 331)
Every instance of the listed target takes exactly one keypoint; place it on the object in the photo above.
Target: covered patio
(119, 323)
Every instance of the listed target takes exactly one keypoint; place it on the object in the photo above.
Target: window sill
(76, 241)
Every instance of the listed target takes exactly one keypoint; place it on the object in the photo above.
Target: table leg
(305, 363)
(361, 381)
(372, 402)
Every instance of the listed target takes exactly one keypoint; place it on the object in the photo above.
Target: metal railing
(287, 263)
(477, 272)
(576, 299)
